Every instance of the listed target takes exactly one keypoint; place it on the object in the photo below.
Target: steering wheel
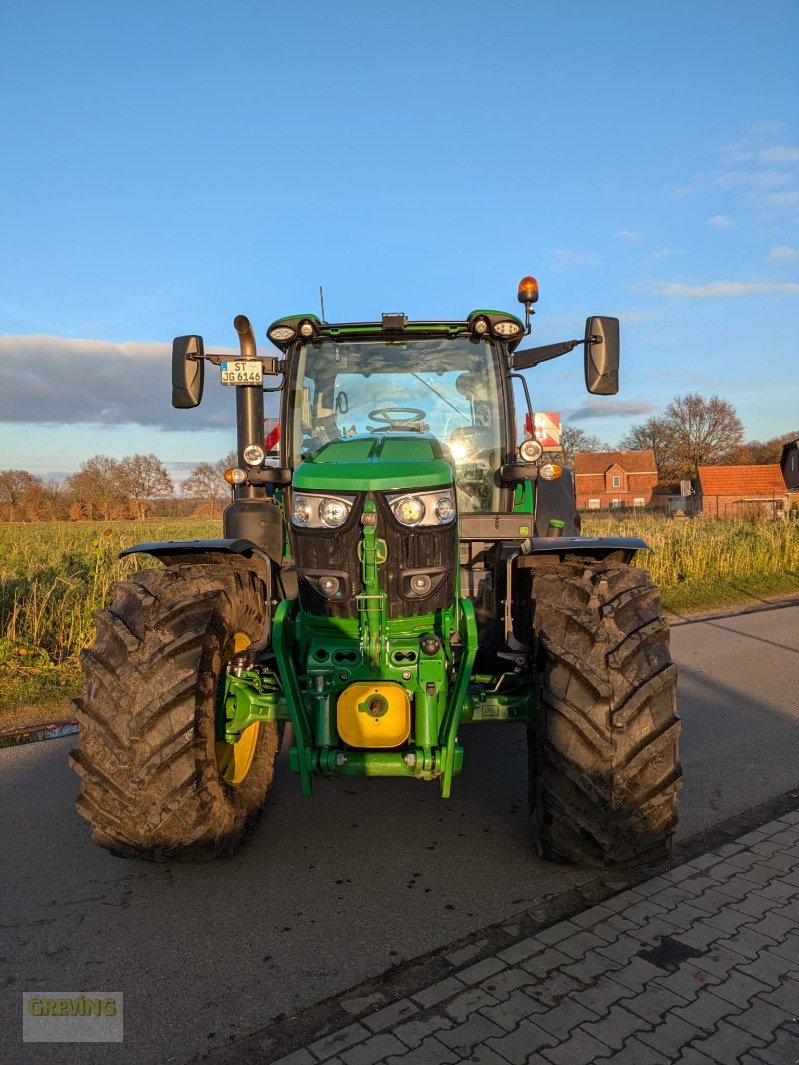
(388, 423)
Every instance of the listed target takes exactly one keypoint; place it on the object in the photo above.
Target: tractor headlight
(320, 512)
(334, 512)
(409, 510)
(427, 509)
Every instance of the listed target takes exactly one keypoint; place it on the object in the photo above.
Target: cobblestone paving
(695, 966)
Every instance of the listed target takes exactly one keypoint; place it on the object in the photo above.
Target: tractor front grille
(334, 552)
(431, 550)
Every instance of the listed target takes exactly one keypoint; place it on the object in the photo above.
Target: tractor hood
(376, 463)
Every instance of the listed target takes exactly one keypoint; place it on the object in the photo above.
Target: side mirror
(187, 371)
(602, 356)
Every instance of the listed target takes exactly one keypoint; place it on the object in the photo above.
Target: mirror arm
(519, 377)
(272, 366)
(529, 357)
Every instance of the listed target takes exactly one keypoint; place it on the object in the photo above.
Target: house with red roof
(734, 491)
(604, 479)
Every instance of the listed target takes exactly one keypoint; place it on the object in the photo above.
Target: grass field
(702, 564)
(53, 577)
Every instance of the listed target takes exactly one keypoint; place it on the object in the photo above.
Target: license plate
(242, 372)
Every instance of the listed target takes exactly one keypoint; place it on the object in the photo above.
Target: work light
(507, 329)
(253, 454)
(281, 333)
(530, 450)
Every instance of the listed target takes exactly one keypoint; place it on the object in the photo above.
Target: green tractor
(410, 568)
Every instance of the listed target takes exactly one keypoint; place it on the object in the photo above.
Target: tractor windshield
(446, 386)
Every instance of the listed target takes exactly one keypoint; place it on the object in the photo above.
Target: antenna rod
(322, 301)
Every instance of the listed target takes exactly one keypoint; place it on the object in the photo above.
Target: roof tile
(757, 480)
(594, 462)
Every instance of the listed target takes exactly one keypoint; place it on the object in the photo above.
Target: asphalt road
(337, 889)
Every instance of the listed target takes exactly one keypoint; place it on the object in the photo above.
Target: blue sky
(170, 165)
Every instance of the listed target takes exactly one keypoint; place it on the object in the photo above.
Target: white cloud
(720, 221)
(778, 156)
(638, 315)
(767, 127)
(629, 234)
(761, 179)
(716, 289)
(781, 251)
(782, 199)
(754, 173)
(50, 380)
(609, 408)
(747, 150)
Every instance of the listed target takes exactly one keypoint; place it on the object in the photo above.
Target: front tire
(155, 783)
(604, 760)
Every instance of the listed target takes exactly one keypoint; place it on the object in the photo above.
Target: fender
(623, 548)
(201, 551)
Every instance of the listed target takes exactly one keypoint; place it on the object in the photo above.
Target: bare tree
(227, 462)
(652, 435)
(206, 483)
(705, 432)
(19, 494)
(573, 439)
(692, 431)
(98, 487)
(758, 452)
(49, 501)
(146, 479)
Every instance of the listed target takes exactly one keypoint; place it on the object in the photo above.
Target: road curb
(289, 1033)
(732, 612)
(51, 730)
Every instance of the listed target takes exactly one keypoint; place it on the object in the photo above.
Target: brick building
(738, 491)
(604, 479)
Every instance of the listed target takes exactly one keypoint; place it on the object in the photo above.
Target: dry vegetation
(53, 577)
(701, 563)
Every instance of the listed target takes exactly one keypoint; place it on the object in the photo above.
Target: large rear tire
(604, 760)
(155, 783)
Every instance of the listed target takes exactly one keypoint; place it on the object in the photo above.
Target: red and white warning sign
(547, 430)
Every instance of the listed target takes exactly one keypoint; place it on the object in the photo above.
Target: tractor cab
(403, 380)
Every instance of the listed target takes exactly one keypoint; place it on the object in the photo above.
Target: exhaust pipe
(249, 409)
(241, 323)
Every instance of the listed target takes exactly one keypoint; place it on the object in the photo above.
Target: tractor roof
(293, 328)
